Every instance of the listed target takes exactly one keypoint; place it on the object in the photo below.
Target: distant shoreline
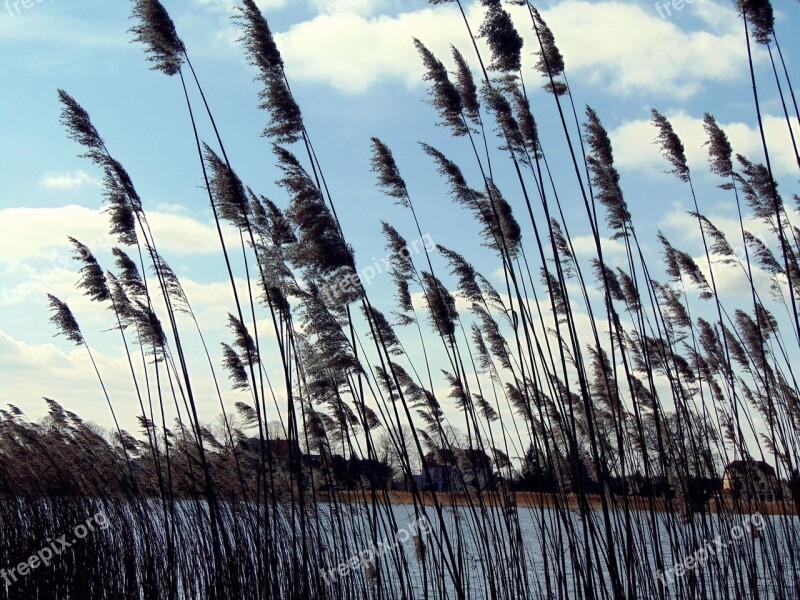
(547, 500)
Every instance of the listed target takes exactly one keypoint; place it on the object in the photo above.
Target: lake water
(537, 553)
(743, 557)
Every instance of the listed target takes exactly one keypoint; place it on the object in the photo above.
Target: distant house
(448, 467)
(319, 468)
(793, 489)
(750, 479)
(275, 449)
(333, 471)
(314, 461)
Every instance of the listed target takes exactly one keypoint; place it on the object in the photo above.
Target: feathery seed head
(389, 178)
(504, 41)
(441, 303)
(759, 14)
(719, 148)
(604, 175)
(550, 62)
(671, 146)
(227, 191)
(93, 280)
(64, 320)
(233, 364)
(286, 124)
(444, 95)
(78, 123)
(156, 31)
(465, 84)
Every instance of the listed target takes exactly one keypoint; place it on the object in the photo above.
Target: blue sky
(355, 74)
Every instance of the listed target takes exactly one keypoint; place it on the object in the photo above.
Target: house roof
(450, 458)
(744, 467)
(276, 447)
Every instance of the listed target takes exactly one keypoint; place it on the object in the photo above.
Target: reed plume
(156, 31)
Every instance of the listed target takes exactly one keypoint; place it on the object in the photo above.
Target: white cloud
(47, 26)
(67, 180)
(352, 52)
(685, 226)
(42, 232)
(584, 245)
(634, 146)
(683, 231)
(622, 47)
(628, 49)
(67, 376)
(361, 7)
(27, 285)
(31, 372)
(36, 259)
(228, 5)
(358, 7)
(166, 207)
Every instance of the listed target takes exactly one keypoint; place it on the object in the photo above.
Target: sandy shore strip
(546, 500)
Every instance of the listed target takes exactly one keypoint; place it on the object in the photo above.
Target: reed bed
(624, 387)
